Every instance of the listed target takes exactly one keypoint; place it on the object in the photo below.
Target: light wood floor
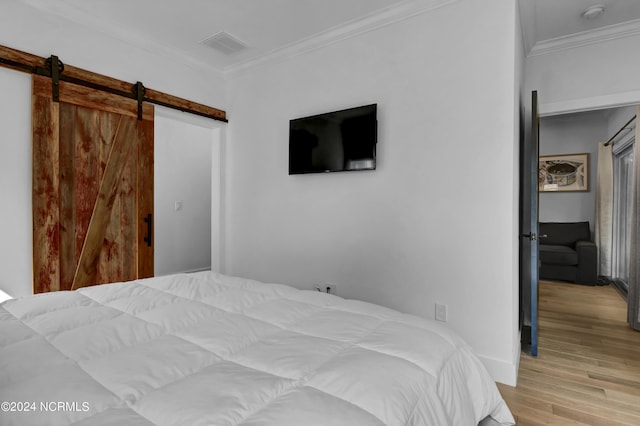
(588, 365)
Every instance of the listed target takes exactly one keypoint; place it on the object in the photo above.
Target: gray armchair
(567, 252)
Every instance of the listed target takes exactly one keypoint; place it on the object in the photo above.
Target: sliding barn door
(92, 188)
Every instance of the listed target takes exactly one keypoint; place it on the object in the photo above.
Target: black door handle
(531, 235)
(149, 221)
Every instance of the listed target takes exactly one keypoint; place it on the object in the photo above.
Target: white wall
(586, 77)
(15, 183)
(572, 134)
(25, 28)
(437, 221)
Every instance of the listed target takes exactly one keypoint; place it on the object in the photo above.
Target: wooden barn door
(92, 188)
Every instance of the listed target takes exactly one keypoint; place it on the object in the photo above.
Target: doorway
(603, 123)
(188, 195)
(582, 132)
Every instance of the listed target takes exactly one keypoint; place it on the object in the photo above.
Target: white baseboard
(502, 371)
(206, 268)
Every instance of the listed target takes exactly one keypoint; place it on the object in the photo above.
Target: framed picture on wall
(563, 173)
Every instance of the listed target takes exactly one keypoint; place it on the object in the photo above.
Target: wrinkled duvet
(208, 349)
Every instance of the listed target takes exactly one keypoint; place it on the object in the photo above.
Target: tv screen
(336, 141)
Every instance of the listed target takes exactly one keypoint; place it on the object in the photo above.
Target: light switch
(177, 206)
(441, 312)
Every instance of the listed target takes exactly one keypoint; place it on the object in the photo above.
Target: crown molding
(599, 35)
(373, 21)
(377, 19)
(526, 11)
(73, 14)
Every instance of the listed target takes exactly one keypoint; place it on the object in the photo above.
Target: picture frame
(563, 173)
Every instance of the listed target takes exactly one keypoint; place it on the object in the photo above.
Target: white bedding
(208, 349)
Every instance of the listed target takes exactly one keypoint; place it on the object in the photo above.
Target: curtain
(604, 209)
(633, 299)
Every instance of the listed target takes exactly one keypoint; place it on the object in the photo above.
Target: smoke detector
(593, 11)
(225, 43)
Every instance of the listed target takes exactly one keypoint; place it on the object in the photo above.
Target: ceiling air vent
(225, 43)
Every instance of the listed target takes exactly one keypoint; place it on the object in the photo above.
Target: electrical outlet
(441, 312)
(326, 288)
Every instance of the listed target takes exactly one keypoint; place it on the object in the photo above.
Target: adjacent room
(195, 197)
(590, 140)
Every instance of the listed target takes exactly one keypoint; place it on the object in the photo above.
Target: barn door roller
(53, 68)
(56, 67)
(139, 91)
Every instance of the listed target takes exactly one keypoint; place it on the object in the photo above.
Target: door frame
(585, 104)
(218, 131)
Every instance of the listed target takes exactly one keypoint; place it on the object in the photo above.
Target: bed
(210, 349)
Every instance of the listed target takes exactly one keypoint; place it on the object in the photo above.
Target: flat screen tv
(337, 141)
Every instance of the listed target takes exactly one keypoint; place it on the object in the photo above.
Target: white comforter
(207, 349)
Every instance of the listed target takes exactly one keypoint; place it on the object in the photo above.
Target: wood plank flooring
(588, 367)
